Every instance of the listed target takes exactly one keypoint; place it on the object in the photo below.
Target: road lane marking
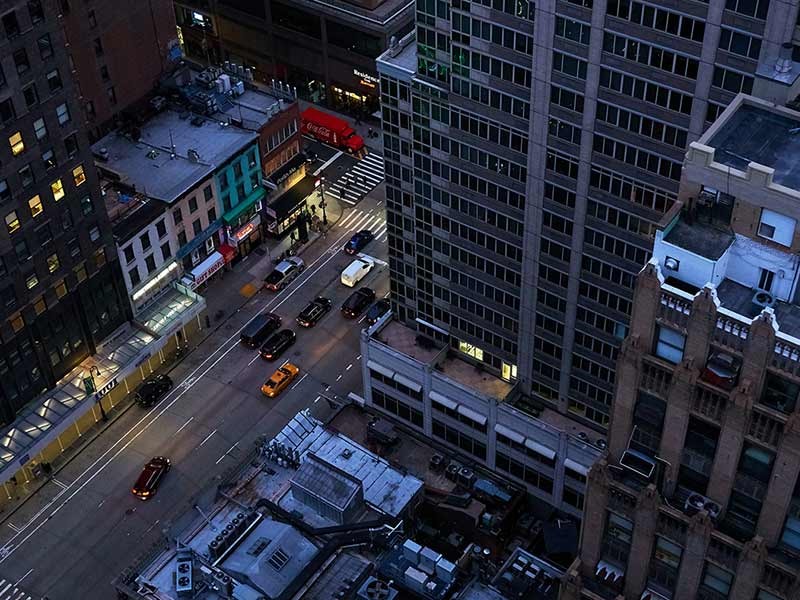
(328, 163)
(339, 378)
(18, 581)
(317, 399)
(181, 428)
(220, 459)
(255, 358)
(353, 214)
(162, 406)
(358, 357)
(60, 484)
(350, 366)
(101, 503)
(14, 527)
(299, 381)
(208, 437)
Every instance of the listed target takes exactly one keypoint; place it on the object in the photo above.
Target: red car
(150, 477)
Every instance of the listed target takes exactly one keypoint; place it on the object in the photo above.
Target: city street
(84, 527)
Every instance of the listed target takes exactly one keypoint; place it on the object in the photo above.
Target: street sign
(88, 385)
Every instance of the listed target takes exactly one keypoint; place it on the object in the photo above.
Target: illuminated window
(35, 205)
(40, 305)
(53, 263)
(61, 289)
(57, 188)
(509, 372)
(32, 281)
(12, 222)
(17, 145)
(79, 175)
(470, 350)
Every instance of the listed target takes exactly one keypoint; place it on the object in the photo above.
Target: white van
(357, 270)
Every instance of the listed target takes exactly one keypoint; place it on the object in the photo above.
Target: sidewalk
(375, 144)
(224, 296)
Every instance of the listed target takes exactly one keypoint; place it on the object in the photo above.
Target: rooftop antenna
(171, 144)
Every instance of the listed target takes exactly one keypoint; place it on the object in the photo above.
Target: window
(223, 181)
(32, 281)
(17, 144)
(197, 227)
(192, 205)
(470, 350)
(10, 24)
(40, 129)
(74, 247)
(177, 217)
(212, 214)
(717, 579)
(104, 75)
(750, 8)
(94, 233)
(670, 345)
(207, 193)
(161, 229)
(12, 222)
(237, 169)
(5, 191)
(98, 47)
(62, 112)
(134, 276)
(181, 239)
(779, 393)
(30, 95)
(21, 250)
(57, 187)
(49, 159)
(92, 19)
(166, 251)
(86, 205)
(129, 254)
(54, 80)
(45, 46)
(739, 43)
(35, 11)
(150, 262)
(144, 239)
(765, 279)
(7, 112)
(35, 204)
(71, 144)
(21, 61)
(53, 263)
(78, 175)
(112, 95)
(776, 227)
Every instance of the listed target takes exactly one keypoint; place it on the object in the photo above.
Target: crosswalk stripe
(369, 223)
(360, 223)
(381, 230)
(350, 217)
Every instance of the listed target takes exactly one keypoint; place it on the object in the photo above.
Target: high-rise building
(62, 291)
(118, 55)
(530, 152)
(699, 494)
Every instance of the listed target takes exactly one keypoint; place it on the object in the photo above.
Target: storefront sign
(287, 174)
(105, 389)
(366, 78)
(249, 228)
(204, 270)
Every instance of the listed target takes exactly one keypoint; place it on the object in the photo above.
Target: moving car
(279, 380)
(377, 310)
(357, 302)
(277, 344)
(152, 390)
(315, 310)
(284, 273)
(259, 328)
(357, 270)
(150, 477)
(330, 129)
(358, 241)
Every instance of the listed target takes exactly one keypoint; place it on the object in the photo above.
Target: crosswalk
(358, 181)
(356, 220)
(9, 591)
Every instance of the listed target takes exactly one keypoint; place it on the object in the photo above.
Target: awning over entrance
(237, 211)
(285, 204)
(228, 252)
(281, 175)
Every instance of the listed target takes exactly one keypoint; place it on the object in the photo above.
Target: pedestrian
(358, 121)
(369, 132)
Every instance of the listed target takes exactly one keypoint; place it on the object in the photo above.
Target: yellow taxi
(279, 380)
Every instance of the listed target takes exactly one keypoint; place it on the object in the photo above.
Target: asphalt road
(83, 528)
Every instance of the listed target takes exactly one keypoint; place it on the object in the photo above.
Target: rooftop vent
(194, 155)
(101, 154)
(783, 64)
(347, 453)
(763, 299)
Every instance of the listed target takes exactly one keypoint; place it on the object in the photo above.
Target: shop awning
(238, 210)
(285, 204)
(472, 415)
(509, 433)
(380, 369)
(228, 252)
(576, 466)
(443, 400)
(288, 169)
(409, 383)
(540, 449)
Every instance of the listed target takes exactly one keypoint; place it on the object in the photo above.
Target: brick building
(119, 56)
(699, 494)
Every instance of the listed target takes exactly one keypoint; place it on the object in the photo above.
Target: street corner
(249, 290)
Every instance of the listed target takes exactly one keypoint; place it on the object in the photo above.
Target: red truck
(331, 130)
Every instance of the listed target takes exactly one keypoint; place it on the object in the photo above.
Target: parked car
(259, 328)
(358, 241)
(150, 478)
(357, 302)
(315, 310)
(279, 380)
(277, 344)
(357, 270)
(152, 390)
(284, 273)
(377, 310)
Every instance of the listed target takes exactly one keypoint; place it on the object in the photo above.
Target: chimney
(784, 62)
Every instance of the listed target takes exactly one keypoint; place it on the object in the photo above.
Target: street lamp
(91, 387)
(322, 203)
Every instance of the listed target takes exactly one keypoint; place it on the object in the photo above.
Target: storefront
(288, 175)
(359, 95)
(246, 237)
(204, 271)
(285, 212)
(243, 224)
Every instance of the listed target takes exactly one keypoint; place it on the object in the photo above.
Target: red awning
(229, 252)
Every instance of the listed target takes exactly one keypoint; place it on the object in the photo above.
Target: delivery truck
(331, 130)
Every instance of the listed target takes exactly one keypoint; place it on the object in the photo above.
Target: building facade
(698, 495)
(62, 292)
(327, 50)
(119, 56)
(530, 152)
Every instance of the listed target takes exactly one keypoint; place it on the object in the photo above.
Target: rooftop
(405, 60)
(407, 341)
(757, 134)
(334, 486)
(386, 14)
(706, 240)
(739, 299)
(129, 214)
(471, 376)
(149, 166)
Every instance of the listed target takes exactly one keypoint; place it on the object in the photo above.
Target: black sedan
(278, 344)
(152, 390)
(357, 302)
(358, 241)
(377, 310)
(315, 310)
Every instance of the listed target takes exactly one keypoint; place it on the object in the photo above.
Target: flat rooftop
(702, 239)
(386, 14)
(739, 299)
(471, 376)
(128, 214)
(407, 341)
(406, 59)
(148, 165)
(767, 137)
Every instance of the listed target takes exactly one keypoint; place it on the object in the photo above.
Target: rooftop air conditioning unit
(672, 263)
(697, 502)
(763, 299)
(638, 464)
